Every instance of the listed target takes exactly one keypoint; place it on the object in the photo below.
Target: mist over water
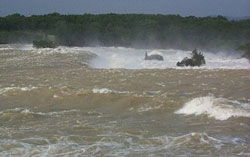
(129, 58)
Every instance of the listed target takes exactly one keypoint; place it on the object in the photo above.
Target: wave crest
(218, 108)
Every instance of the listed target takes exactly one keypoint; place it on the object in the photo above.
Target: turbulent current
(108, 101)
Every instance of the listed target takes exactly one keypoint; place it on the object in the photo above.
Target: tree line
(129, 30)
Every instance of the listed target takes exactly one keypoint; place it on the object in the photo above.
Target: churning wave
(129, 58)
(218, 108)
(119, 144)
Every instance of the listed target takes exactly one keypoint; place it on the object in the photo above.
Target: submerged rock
(196, 60)
(153, 57)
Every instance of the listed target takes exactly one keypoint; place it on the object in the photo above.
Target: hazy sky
(234, 8)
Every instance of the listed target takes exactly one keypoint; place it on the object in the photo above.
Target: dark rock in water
(246, 50)
(196, 60)
(185, 62)
(153, 57)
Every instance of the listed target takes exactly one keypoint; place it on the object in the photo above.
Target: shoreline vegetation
(128, 30)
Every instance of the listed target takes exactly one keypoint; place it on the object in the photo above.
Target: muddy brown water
(54, 104)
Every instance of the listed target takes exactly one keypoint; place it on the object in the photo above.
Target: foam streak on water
(119, 144)
(9, 89)
(107, 91)
(23, 113)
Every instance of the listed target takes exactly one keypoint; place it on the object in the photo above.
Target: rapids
(107, 101)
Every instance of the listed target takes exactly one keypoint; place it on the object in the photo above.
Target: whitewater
(109, 101)
(130, 58)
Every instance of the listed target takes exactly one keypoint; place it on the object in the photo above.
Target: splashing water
(218, 108)
(128, 58)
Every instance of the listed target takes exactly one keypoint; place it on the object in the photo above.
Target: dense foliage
(134, 30)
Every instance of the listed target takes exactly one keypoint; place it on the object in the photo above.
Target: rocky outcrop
(246, 50)
(153, 57)
(196, 60)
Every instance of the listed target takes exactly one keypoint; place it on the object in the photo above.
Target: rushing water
(97, 101)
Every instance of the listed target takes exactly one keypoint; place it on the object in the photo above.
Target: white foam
(26, 111)
(107, 91)
(218, 108)
(5, 48)
(129, 58)
(8, 89)
(193, 138)
(155, 52)
(23, 147)
(60, 49)
(101, 90)
(149, 108)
